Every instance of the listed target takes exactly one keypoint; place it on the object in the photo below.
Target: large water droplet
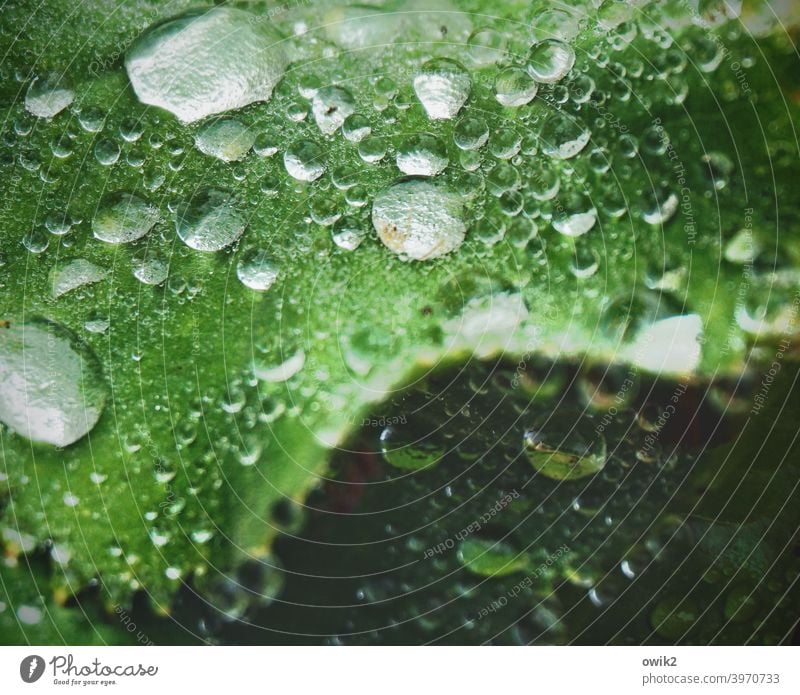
(122, 218)
(565, 447)
(514, 87)
(150, 270)
(555, 24)
(422, 155)
(48, 95)
(207, 62)
(284, 371)
(304, 160)
(442, 86)
(563, 136)
(486, 47)
(575, 216)
(348, 233)
(257, 271)
(75, 274)
(659, 205)
(769, 307)
(471, 133)
(742, 247)
(209, 221)
(360, 26)
(356, 127)
(418, 220)
(106, 152)
(550, 60)
(51, 382)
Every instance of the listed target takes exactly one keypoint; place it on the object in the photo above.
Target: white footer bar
(400, 670)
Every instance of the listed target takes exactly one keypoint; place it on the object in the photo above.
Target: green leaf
(223, 401)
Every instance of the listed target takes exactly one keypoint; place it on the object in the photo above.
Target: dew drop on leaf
(122, 217)
(419, 220)
(550, 61)
(209, 220)
(51, 383)
(48, 95)
(565, 447)
(226, 139)
(257, 270)
(207, 62)
(442, 86)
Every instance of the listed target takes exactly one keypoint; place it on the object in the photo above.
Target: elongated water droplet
(122, 217)
(75, 274)
(409, 450)
(490, 558)
(226, 139)
(206, 62)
